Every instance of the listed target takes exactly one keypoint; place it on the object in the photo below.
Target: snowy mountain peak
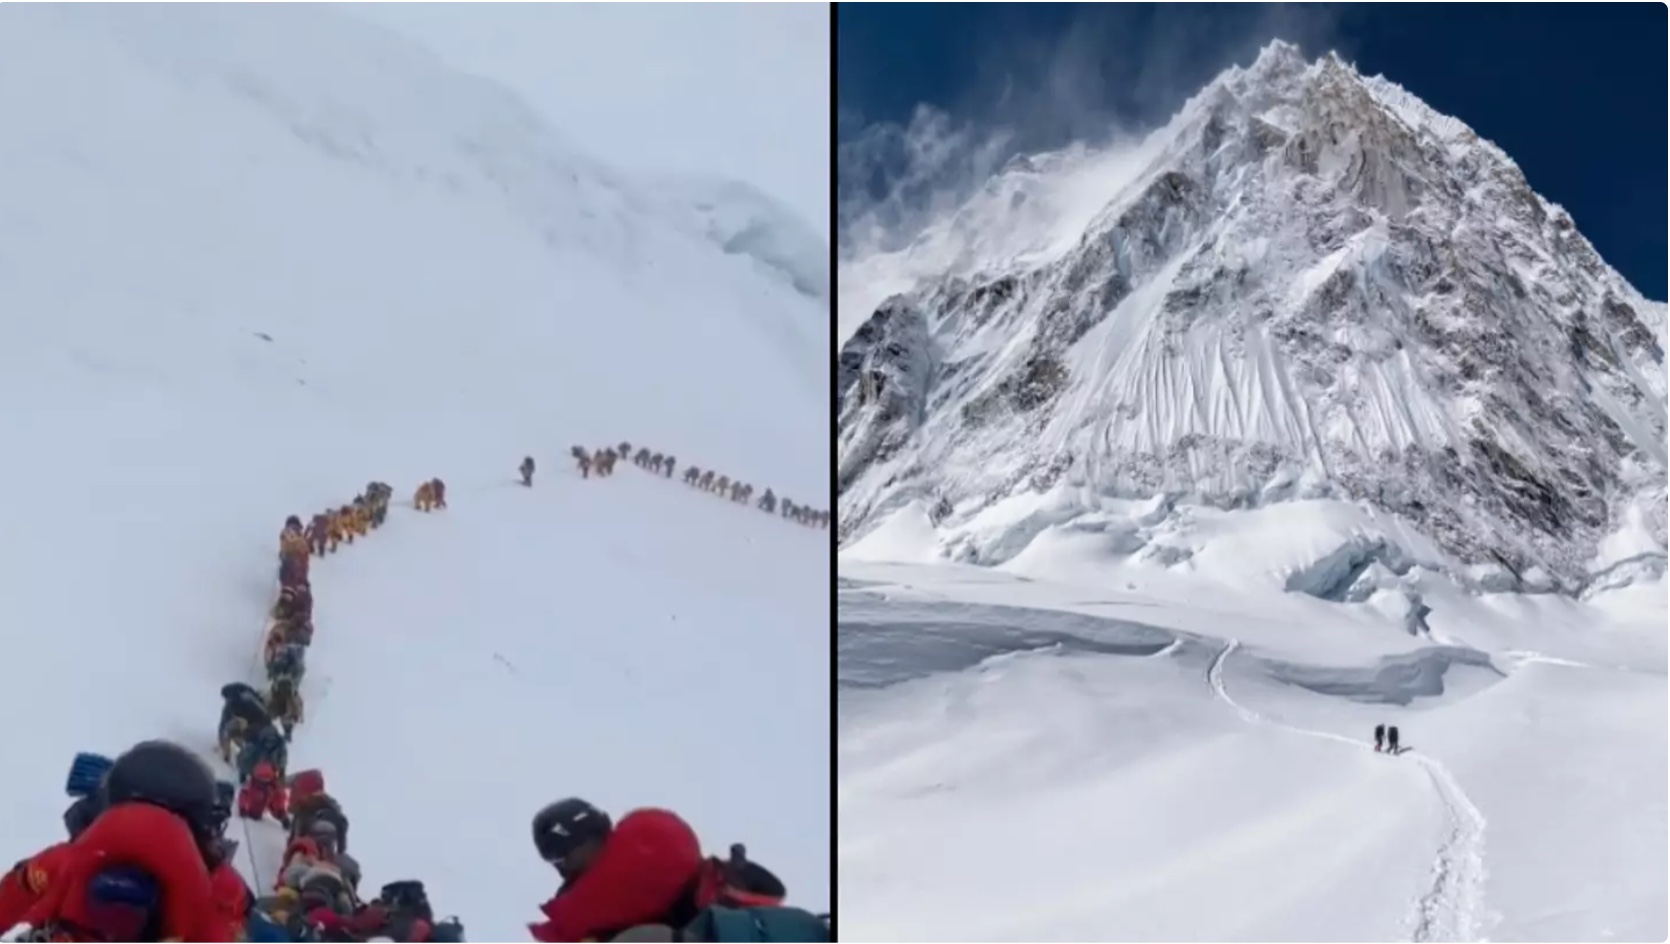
(1307, 285)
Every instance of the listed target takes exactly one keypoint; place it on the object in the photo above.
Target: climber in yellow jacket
(359, 516)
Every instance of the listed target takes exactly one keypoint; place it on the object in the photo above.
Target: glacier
(252, 256)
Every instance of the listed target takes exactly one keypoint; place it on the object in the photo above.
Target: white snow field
(253, 256)
(1071, 749)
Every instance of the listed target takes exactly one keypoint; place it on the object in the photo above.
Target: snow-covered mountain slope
(1148, 761)
(743, 221)
(252, 256)
(1308, 285)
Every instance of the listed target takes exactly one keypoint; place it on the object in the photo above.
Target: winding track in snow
(1449, 909)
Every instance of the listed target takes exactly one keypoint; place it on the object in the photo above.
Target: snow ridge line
(1449, 910)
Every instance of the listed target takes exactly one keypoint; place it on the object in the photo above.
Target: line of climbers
(315, 894)
(602, 461)
(148, 858)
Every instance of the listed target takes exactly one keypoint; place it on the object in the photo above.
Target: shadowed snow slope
(1151, 756)
(252, 256)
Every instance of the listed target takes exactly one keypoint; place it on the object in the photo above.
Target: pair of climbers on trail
(1385, 736)
(645, 879)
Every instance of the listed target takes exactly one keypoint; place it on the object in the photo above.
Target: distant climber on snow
(359, 513)
(1391, 738)
(1379, 736)
(310, 803)
(294, 602)
(319, 848)
(263, 743)
(284, 702)
(263, 793)
(286, 659)
(294, 553)
(242, 710)
(296, 627)
(424, 499)
(526, 468)
(377, 495)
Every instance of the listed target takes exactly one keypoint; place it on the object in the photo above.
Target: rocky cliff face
(1308, 284)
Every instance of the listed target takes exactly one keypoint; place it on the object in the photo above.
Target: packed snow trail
(1449, 910)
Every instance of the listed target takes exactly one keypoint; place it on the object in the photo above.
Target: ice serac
(742, 221)
(1307, 285)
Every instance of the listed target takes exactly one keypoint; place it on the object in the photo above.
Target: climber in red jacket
(614, 878)
(161, 821)
(232, 896)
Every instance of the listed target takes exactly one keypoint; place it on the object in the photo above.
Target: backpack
(761, 925)
(243, 701)
(319, 806)
(288, 659)
(742, 882)
(406, 897)
(121, 904)
(450, 931)
(259, 927)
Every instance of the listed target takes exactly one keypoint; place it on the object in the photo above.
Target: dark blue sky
(1576, 94)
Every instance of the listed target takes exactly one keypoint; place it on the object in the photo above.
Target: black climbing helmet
(408, 897)
(165, 774)
(565, 825)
